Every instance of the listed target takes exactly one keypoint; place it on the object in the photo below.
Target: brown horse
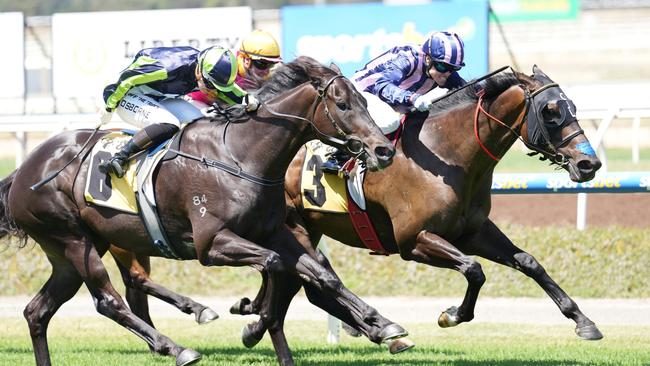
(431, 206)
(239, 219)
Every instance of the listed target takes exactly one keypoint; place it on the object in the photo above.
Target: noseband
(322, 97)
(551, 151)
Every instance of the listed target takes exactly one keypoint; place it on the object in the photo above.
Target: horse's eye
(341, 105)
(552, 117)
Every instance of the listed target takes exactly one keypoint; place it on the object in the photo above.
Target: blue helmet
(218, 68)
(445, 47)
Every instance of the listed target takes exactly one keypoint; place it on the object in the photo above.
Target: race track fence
(613, 182)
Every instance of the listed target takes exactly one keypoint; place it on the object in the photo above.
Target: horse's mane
(292, 74)
(492, 87)
(286, 76)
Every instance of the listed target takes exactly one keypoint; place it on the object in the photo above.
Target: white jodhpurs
(383, 114)
(140, 110)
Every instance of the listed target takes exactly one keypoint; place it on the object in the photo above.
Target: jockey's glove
(105, 116)
(251, 103)
(423, 102)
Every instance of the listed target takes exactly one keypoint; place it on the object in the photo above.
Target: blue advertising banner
(351, 35)
(627, 182)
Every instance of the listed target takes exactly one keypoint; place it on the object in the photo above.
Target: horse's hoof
(187, 357)
(206, 315)
(392, 331)
(350, 331)
(248, 337)
(449, 318)
(238, 307)
(589, 332)
(399, 345)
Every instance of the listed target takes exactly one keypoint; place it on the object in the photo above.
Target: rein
(554, 155)
(322, 97)
(240, 173)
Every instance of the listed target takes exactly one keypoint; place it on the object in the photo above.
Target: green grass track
(98, 341)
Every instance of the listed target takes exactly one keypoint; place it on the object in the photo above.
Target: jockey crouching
(147, 94)
(399, 81)
(258, 53)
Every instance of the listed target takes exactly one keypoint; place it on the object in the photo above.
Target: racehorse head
(338, 114)
(552, 129)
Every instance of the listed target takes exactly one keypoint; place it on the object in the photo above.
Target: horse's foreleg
(59, 288)
(135, 270)
(323, 280)
(433, 250)
(492, 244)
(228, 249)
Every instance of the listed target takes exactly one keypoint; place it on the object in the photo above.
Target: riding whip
(466, 85)
(54, 174)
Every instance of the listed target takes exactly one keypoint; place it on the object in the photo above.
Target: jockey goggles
(443, 67)
(262, 64)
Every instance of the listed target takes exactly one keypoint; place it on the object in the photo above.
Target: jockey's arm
(142, 71)
(236, 96)
(386, 87)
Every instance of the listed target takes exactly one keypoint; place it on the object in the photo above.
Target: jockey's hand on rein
(423, 102)
(251, 103)
(105, 116)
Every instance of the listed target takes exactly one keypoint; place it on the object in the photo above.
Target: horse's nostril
(589, 165)
(386, 152)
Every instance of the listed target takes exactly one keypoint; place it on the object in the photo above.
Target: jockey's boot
(143, 139)
(335, 161)
(117, 163)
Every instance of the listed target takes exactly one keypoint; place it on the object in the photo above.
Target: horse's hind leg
(63, 283)
(245, 306)
(135, 270)
(253, 332)
(433, 250)
(87, 261)
(492, 244)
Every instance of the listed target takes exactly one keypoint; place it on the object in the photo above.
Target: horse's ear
(538, 71)
(335, 67)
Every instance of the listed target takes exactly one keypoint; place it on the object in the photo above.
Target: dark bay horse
(239, 219)
(432, 205)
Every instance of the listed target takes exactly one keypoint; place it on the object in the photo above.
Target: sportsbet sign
(90, 49)
(352, 35)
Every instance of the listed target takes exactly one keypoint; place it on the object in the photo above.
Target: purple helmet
(445, 47)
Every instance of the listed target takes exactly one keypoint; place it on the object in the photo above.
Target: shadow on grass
(314, 356)
(369, 356)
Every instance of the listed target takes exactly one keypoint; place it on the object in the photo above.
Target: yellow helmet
(261, 45)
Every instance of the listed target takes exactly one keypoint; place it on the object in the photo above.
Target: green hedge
(599, 262)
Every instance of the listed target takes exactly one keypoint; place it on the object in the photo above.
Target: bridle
(549, 151)
(352, 144)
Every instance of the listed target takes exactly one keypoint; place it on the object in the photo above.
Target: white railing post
(581, 214)
(597, 144)
(21, 148)
(636, 126)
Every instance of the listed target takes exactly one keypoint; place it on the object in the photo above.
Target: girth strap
(236, 171)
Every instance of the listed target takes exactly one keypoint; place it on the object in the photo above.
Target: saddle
(332, 193)
(133, 193)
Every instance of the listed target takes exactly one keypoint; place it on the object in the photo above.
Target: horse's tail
(8, 225)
